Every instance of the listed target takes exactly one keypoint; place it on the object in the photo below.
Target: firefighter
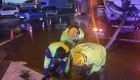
(90, 55)
(59, 51)
(72, 35)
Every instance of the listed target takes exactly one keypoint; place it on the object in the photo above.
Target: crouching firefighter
(91, 55)
(60, 51)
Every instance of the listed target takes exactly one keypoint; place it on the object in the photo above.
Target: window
(9, 8)
(5, 9)
(12, 8)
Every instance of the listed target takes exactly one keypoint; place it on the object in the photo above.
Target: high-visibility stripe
(68, 62)
(59, 59)
(76, 33)
(81, 38)
(52, 65)
(64, 59)
(47, 61)
(47, 58)
(72, 38)
(46, 67)
(100, 64)
(101, 50)
(66, 66)
(70, 31)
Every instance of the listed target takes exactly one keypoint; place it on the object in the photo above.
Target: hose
(115, 34)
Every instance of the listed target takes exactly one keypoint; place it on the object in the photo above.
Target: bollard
(43, 26)
(12, 35)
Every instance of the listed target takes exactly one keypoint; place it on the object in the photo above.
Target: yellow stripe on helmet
(73, 33)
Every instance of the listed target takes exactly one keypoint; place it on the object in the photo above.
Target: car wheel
(15, 14)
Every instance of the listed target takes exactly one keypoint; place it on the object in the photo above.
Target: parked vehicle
(95, 28)
(117, 11)
(9, 11)
(31, 14)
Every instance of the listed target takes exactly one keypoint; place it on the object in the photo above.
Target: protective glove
(45, 78)
(61, 72)
(57, 70)
(52, 69)
(88, 73)
(79, 70)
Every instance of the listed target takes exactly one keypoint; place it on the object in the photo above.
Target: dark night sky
(0, 1)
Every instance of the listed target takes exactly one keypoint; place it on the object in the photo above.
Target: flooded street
(122, 60)
(32, 50)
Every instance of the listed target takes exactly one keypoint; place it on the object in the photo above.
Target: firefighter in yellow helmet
(72, 35)
(90, 54)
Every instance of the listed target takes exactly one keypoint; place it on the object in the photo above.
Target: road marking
(8, 20)
(9, 40)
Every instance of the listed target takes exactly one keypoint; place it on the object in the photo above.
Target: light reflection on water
(33, 50)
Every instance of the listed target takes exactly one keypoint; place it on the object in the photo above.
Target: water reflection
(24, 27)
(33, 46)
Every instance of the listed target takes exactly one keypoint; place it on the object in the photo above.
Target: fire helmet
(73, 32)
(78, 59)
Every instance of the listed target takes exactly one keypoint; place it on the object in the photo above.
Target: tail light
(100, 30)
(95, 29)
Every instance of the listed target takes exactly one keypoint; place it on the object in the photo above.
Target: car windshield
(23, 10)
(34, 10)
(12, 8)
(28, 10)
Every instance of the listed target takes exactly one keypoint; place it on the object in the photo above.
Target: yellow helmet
(78, 59)
(73, 33)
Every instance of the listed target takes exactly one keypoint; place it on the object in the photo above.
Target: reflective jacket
(93, 53)
(51, 52)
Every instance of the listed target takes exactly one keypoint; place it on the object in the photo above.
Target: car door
(11, 11)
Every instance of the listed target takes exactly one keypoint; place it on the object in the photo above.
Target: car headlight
(40, 18)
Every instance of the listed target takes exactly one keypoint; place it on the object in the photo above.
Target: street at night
(24, 41)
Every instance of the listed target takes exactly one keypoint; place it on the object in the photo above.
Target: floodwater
(33, 48)
(123, 62)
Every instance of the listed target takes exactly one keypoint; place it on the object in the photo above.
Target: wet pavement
(123, 62)
(122, 58)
